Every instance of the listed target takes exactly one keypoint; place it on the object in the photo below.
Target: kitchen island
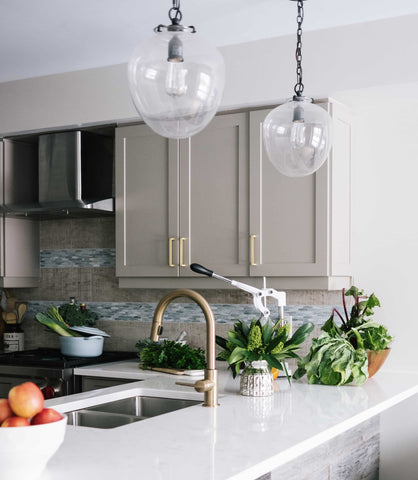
(244, 438)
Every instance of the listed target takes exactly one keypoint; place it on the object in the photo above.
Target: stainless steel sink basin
(128, 410)
(88, 418)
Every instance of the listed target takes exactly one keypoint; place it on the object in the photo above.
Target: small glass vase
(256, 380)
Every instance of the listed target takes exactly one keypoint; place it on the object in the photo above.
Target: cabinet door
(20, 252)
(340, 191)
(19, 237)
(288, 216)
(146, 203)
(20, 167)
(214, 197)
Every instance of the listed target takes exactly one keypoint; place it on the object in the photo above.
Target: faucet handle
(185, 384)
(200, 386)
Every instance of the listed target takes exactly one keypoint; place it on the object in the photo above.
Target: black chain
(299, 85)
(174, 14)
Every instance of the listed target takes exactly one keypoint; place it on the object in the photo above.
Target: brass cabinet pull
(170, 252)
(182, 264)
(252, 254)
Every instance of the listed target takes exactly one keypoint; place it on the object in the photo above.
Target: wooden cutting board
(173, 371)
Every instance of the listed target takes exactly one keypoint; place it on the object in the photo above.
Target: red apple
(16, 422)
(5, 410)
(26, 400)
(48, 415)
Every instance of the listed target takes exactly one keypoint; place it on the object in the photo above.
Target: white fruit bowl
(25, 451)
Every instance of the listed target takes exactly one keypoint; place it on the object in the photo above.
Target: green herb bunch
(170, 354)
(269, 342)
(74, 317)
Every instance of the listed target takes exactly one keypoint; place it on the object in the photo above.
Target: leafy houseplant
(340, 355)
(358, 326)
(269, 342)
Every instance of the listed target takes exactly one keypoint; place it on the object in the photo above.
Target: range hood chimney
(71, 175)
(76, 171)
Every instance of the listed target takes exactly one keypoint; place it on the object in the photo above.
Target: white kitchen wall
(262, 72)
(385, 244)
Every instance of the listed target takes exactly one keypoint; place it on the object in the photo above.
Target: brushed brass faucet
(209, 385)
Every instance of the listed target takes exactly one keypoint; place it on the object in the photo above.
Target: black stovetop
(52, 357)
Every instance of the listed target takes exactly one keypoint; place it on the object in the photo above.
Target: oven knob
(41, 383)
(58, 385)
(48, 392)
(51, 387)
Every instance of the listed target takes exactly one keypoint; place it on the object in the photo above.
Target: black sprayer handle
(195, 267)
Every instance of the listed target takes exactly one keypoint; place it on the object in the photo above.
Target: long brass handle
(182, 264)
(185, 384)
(170, 252)
(201, 386)
(252, 254)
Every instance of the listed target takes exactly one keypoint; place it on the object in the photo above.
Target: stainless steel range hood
(75, 177)
(76, 171)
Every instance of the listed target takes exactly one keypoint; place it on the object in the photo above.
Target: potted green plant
(352, 351)
(270, 343)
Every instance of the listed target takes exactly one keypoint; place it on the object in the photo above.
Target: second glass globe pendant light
(298, 134)
(176, 79)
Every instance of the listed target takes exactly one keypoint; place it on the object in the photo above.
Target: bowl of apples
(30, 434)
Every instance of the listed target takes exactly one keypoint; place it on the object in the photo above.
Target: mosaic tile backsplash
(191, 313)
(77, 259)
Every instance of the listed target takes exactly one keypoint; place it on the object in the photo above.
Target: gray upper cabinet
(146, 203)
(19, 237)
(19, 265)
(215, 199)
(300, 227)
(179, 202)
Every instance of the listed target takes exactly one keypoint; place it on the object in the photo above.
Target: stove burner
(52, 357)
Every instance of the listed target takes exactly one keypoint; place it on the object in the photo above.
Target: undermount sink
(127, 410)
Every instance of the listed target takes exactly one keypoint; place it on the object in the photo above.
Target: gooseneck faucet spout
(209, 385)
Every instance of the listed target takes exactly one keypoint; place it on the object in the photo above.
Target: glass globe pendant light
(176, 79)
(298, 134)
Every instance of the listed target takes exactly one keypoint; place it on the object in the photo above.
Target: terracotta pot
(376, 360)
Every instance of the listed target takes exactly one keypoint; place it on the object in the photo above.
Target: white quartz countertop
(244, 438)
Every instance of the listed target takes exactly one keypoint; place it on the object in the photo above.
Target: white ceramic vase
(256, 380)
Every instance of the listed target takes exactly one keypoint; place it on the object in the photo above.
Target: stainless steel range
(49, 369)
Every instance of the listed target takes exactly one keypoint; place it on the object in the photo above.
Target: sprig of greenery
(269, 342)
(170, 354)
(74, 317)
(358, 325)
(373, 336)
